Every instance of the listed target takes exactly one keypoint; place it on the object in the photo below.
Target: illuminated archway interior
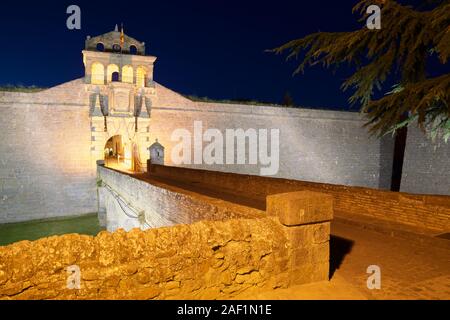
(118, 153)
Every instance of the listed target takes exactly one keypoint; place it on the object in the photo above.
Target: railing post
(305, 217)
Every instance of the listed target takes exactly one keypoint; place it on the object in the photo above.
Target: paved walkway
(409, 270)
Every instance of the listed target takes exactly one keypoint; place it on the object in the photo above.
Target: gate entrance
(122, 154)
(117, 153)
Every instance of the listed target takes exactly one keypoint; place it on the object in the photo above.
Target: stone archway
(122, 154)
(118, 153)
(132, 155)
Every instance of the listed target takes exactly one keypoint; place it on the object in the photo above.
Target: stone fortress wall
(49, 147)
(426, 168)
(45, 160)
(315, 145)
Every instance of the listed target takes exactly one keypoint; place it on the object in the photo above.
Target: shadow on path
(339, 248)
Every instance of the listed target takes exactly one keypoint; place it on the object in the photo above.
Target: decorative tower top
(114, 57)
(115, 41)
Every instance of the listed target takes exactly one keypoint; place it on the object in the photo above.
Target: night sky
(204, 48)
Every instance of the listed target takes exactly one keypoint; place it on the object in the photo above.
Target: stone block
(309, 272)
(316, 254)
(307, 235)
(302, 207)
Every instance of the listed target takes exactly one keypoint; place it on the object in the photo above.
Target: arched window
(110, 70)
(133, 49)
(127, 74)
(140, 77)
(115, 77)
(100, 47)
(116, 47)
(97, 73)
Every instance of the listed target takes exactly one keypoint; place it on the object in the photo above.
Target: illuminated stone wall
(46, 168)
(315, 145)
(48, 151)
(426, 167)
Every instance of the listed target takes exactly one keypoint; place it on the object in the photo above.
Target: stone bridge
(300, 220)
(301, 211)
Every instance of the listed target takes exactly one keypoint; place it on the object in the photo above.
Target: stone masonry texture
(426, 168)
(45, 164)
(204, 260)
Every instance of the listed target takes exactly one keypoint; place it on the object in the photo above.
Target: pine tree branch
(401, 48)
(427, 101)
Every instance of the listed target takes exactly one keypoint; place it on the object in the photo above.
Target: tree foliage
(400, 49)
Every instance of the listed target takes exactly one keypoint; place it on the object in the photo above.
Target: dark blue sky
(205, 48)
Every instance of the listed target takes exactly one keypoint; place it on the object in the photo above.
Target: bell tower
(119, 80)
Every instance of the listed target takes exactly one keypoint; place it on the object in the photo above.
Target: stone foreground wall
(425, 211)
(205, 260)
